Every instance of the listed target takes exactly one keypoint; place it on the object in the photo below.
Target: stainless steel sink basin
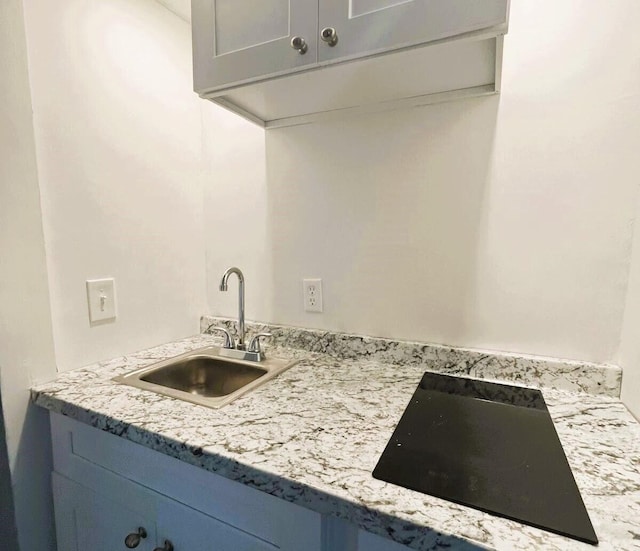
(205, 376)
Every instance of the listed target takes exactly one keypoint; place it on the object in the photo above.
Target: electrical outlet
(312, 295)
(101, 296)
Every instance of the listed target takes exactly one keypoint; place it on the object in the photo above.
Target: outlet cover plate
(312, 295)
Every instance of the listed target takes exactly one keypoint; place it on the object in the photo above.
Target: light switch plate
(101, 297)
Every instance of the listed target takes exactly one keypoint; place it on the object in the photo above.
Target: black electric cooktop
(490, 446)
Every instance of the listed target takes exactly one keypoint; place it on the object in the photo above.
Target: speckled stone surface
(313, 435)
(536, 371)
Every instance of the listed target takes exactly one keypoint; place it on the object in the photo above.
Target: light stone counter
(313, 435)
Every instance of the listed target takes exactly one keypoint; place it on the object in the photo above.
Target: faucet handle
(254, 344)
(228, 339)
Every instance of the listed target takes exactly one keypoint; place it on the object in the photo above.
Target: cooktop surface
(489, 446)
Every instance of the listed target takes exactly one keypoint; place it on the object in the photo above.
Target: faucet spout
(223, 287)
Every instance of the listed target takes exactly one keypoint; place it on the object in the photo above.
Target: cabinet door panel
(237, 41)
(365, 27)
(187, 528)
(254, 22)
(86, 520)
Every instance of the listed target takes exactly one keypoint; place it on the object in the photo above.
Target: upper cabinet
(367, 27)
(284, 62)
(235, 41)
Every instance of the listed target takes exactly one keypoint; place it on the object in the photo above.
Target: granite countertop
(313, 435)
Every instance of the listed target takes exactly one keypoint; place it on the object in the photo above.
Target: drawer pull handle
(168, 546)
(133, 540)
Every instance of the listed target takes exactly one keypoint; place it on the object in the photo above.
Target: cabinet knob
(133, 540)
(300, 44)
(168, 546)
(330, 36)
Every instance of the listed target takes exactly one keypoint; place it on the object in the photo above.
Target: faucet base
(245, 355)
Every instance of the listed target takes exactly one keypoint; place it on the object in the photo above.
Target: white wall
(26, 342)
(629, 354)
(501, 222)
(235, 207)
(119, 147)
(118, 135)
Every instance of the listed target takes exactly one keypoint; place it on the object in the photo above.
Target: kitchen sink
(205, 376)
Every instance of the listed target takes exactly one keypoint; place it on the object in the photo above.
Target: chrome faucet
(223, 287)
(238, 349)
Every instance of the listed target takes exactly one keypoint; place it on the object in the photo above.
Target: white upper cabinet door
(237, 41)
(365, 27)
